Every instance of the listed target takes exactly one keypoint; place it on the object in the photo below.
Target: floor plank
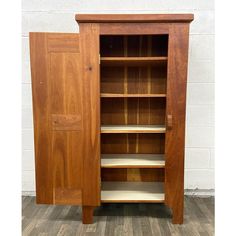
(118, 219)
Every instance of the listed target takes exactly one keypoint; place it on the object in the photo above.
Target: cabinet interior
(133, 75)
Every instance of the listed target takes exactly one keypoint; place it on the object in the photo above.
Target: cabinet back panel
(112, 80)
(132, 143)
(133, 45)
(112, 46)
(134, 80)
(134, 174)
(133, 111)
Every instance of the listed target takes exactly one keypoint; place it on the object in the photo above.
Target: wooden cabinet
(109, 111)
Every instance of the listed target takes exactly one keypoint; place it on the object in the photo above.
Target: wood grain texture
(133, 174)
(160, 18)
(66, 96)
(68, 196)
(138, 111)
(89, 48)
(137, 47)
(134, 28)
(57, 43)
(87, 214)
(133, 143)
(57, 89)
(66, 122)
(41, 109)
(134, 55)
(176, 105)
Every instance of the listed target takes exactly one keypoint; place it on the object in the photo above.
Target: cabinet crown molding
(115, 18)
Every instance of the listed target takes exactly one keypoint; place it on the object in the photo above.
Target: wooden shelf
(132, 161)
(133, 129)
(115, 95)
(132, 192)
(131, 60)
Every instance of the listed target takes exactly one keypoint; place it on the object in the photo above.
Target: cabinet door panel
(60, 117)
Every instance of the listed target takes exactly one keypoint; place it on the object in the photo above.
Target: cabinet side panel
(90, 74)
(176, 105)
(41, 110)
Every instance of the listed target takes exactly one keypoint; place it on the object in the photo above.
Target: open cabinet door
(61, 121)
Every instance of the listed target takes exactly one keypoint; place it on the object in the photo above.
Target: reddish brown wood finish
(66, 97)
(89, 48)
(66, 122)
(133, 174)
(62, 120)
(87, 214)
(41, 108)
(176, 103)
(160, 18)
(134, 28)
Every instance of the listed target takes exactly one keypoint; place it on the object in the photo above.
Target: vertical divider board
(176, 106)
(89, 48)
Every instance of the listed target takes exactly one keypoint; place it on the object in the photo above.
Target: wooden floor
(118, 219)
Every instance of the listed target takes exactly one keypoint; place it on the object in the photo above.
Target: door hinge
(99, 59)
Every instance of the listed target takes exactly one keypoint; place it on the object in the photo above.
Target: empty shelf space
(116, 95)
(133, 129)
(131, 60)
(132, 192)
(132, 161)
(133, 45)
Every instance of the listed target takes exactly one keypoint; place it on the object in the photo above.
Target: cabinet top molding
(106, 18)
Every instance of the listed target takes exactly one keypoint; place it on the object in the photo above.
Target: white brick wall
(58, 16)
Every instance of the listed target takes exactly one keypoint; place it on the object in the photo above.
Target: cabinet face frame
(178, 39)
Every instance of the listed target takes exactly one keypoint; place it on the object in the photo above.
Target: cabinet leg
(178, 216)
(87, 214)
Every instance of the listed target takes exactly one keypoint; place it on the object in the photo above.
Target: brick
(27, 139)
(199, 179)
(200, 136)
(201, 47)
(27, 118)
(201, 71)
(28, 160)
(48, 22)
(50, 5)
(26, 96)
(197, 158)
(203, 23)
(201, 115)
(26, 74)
(200, 94)
(212, 161)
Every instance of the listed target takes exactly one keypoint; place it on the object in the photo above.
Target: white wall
(58, 16)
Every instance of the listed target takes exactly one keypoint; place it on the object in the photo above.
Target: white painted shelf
(132, 192)
(133, 129)
(132, 160)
